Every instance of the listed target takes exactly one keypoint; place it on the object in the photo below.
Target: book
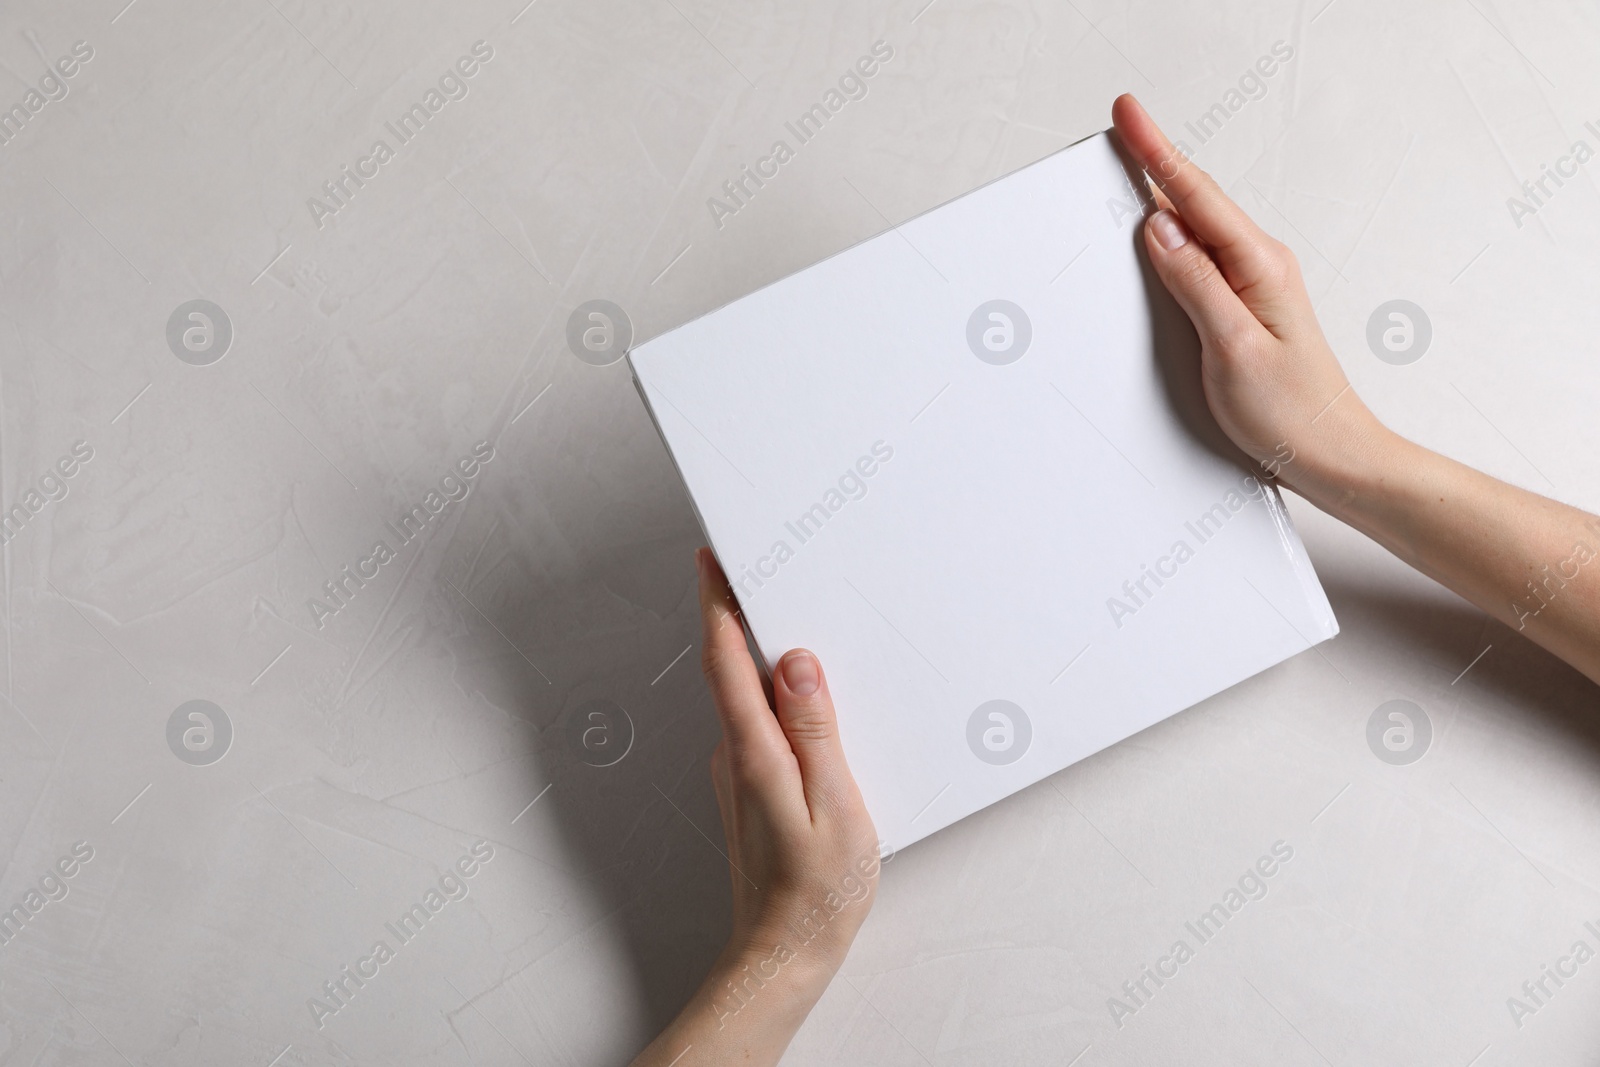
(969, 464)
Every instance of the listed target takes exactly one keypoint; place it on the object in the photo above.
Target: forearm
(746, 1012)
(1528, 561)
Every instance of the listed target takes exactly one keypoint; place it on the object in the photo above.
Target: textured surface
(376, 343)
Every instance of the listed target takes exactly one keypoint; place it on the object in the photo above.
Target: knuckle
(1277, 275)
(1236, 343)
(1196, 272)
(1281, 265)
(753, 766)
(1234, 340)
(809, 726)
(736, 755)
(1168, 166)
(1276, 279)
(723, 678)
(1291, 266)
(715, 663)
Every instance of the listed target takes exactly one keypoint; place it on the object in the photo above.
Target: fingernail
(802, 673)
(1169, 230)
(700, 562)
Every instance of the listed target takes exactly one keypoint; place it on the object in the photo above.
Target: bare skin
(799, 838)
(1276, 389)
(803, 853)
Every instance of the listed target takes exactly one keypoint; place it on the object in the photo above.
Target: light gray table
(370, 337)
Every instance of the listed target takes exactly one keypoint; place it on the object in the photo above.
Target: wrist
(751, 1004)
(747, 1010)
(779, 971)
(1343, 454)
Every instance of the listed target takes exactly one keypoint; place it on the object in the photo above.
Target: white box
(1007, 558)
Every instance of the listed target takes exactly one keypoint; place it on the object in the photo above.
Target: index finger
(748, 724)
(1241, 248)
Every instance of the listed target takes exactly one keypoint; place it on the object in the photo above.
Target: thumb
(1192, 276)
(805, 711)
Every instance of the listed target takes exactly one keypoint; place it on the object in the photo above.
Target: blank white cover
(983, 557)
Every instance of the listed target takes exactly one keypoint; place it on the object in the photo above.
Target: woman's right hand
(1277, 390)
(1270, 378)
